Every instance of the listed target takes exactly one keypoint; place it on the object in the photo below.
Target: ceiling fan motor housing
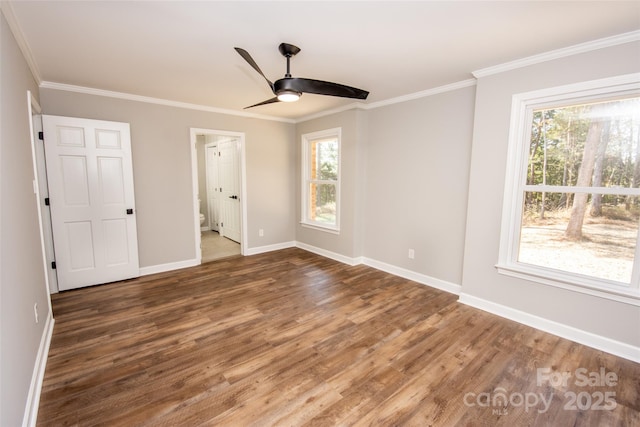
(286, 85)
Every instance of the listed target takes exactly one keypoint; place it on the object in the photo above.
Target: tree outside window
(321, 179)
(572, 211)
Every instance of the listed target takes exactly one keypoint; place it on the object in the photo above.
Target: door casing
(194, 132)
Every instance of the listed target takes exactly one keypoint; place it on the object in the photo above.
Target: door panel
(90, 177)
(74, 180)
(117, 247)
(211, 163)
(110, 177)
(79, 239)
(230, 189)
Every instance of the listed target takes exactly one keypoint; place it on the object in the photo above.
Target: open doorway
(220, 207)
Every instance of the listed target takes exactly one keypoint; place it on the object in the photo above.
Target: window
(321, 180)
(572, 192)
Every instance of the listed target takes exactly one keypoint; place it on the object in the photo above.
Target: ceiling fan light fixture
(288, 96)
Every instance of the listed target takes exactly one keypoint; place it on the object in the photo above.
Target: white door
(90, 177)
(211, 161)
(228, 179)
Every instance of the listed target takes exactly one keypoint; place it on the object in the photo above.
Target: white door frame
(42, 191)
(194, 132)
(208, 166)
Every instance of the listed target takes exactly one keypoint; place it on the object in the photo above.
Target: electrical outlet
(261, 232)
(412, 254)
(35, 311)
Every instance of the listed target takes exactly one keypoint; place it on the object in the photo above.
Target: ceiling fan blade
(325, 88)
(253, 64)
(268, 101)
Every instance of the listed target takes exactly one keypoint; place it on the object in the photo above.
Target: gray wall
(418, 155)
(346, 242)
(162, 170)
(404, 180)
(617, 321)
(22, 279)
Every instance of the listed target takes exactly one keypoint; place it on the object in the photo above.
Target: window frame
(307, 140)
(522, 107)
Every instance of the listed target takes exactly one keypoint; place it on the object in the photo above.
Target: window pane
(603, 248)
(324, 159)
(586, 145)
(322, 203)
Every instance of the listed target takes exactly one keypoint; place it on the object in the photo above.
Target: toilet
(202, 218)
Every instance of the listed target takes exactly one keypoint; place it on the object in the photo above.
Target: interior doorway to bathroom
(218, 193)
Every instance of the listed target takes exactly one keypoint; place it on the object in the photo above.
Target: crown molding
(632, 36)
(324, 113)
(158, 101)
(7, 11)
(422, 94)
(391, 101)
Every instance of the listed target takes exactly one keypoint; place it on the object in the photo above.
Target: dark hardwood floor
(291, 338)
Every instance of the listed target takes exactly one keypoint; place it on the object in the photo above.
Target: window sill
(326, 229)
(572, 283)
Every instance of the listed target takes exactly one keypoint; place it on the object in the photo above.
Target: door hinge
(222, 224)
(41, 136)
(46, 201)
(53, 265)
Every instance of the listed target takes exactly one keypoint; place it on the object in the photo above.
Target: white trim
(159, 101)
(632, 36)
(306, 141)
(423, 279)
(244, 225)
(423, 94)
(328, 254)
(324, 113)
(194, 132)
(601, 288)
(387, 268)
(41, 191)
(208, 165)
(7, 11)
(564, 331)
(269, 248)
(397, 100)
(195, 188)
(326, 229)
(35, 388)
(621, 191)
(170, 266)
(522, 106)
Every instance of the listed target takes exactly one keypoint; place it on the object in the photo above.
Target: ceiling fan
(289, 89)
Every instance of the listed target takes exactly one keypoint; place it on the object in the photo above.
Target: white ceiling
(183, 51)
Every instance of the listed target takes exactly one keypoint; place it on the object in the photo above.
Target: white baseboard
(582, 337)
(388, 268)
(161, 268)
(33, 398)
(412, 275)
(269, 248)
(328, 254)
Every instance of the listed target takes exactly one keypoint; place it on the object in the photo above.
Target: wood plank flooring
(292, 338)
